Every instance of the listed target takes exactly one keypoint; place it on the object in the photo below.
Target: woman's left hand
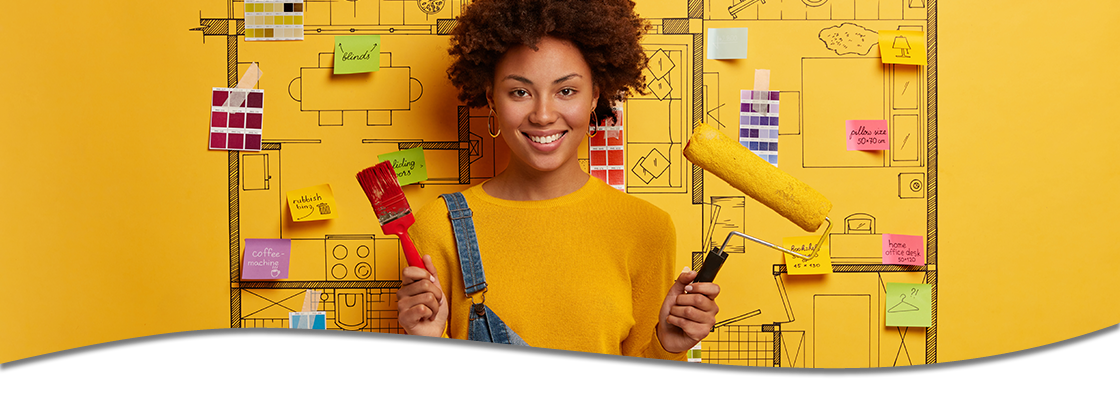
(687, 314)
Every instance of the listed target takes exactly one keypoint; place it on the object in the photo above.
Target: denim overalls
(484, 325)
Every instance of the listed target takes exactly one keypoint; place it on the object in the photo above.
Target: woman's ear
(490, 98)
(594, 97)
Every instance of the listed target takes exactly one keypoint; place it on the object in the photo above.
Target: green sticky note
(909, 304)
(355, 54)
(409, 165)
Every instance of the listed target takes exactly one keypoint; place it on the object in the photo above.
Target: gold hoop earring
(490, 127)
(593, 127)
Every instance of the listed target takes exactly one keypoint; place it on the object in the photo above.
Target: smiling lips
(545, 139)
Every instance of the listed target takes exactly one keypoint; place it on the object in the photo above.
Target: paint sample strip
(273, 20)
(605, 150)
(758, 123)
(236, 126)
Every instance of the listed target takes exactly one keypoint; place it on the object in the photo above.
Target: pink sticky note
(904, 249)
(867, 134)
(266, 259)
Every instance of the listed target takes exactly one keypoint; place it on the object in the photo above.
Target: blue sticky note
(307, 320)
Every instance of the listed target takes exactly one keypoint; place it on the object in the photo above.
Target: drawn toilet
(350, 309)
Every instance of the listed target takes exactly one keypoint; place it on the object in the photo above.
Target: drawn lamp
(901, 43)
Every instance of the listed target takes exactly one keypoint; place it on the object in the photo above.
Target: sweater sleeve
(652, 275)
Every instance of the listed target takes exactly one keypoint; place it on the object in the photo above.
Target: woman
(570, 263)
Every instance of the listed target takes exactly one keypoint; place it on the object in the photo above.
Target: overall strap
(474, 280)
(483, 325)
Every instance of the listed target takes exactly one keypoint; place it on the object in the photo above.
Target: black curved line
(342, 335)
(501, 349)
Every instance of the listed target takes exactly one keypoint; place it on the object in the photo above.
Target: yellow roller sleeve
(726, 158)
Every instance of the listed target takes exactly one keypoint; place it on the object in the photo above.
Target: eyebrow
(526, 81)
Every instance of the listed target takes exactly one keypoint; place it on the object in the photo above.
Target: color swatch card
(821, 263)
(904, 249)
(867, 134)
(357, 54)
(408, 164)
(273, 19)
(758, 123)
(607, 160)
(306, 353)
(266, 259)
(727, 43)
(312, 203)
(236, 124)
(909, 304)
(903, 47)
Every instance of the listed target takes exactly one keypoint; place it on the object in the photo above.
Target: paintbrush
(391, 207)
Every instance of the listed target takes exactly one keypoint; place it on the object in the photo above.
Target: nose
(544, 112)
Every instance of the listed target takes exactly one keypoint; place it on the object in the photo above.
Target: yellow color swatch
(903, 47)
(312, 203)
(821, 263)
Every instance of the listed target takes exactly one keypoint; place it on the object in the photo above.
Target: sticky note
(312, 203)
(727, 43)
(867, 134)
(902, 47)
(266, 259)
(904, 249)
(908, 304)
(408, 164)
(356, 54)
(819, 264)
(307, 354)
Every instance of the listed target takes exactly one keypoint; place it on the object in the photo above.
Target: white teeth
(545, 139)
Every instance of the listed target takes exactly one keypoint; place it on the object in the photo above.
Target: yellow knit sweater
(584, 272)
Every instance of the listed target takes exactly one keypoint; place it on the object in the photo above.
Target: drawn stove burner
(349, 257)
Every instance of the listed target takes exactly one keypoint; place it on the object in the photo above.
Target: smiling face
(543, 101)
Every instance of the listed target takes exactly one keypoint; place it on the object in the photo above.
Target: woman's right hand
(421, 305)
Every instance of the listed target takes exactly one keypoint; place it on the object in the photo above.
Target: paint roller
(713, 151)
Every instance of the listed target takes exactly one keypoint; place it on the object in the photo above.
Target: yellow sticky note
(312, 203)
(819, 264)
(903, 47)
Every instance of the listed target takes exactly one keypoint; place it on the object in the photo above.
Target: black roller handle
(712, 263)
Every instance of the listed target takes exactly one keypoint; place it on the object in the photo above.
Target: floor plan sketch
(824, 63)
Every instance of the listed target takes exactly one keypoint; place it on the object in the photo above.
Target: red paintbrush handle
(410, 253)
(399, 227)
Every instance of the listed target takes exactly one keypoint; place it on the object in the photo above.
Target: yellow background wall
(117, 226)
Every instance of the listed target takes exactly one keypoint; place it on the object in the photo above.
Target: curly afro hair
(607, 32)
